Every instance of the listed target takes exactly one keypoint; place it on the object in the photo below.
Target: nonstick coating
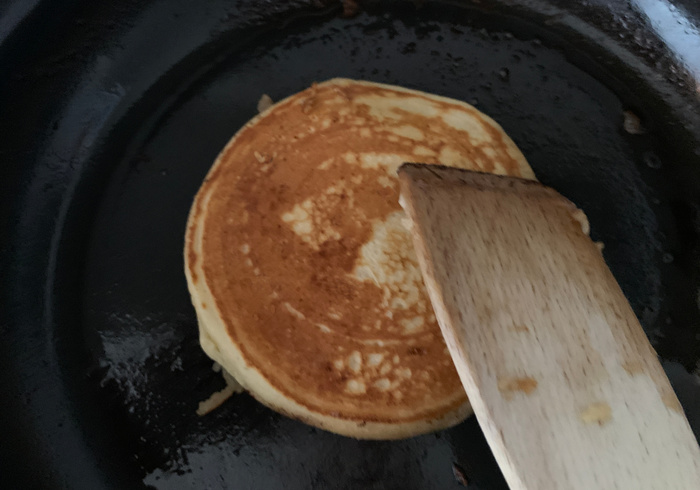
(111, 117)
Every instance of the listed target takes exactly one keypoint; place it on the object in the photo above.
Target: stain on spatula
(563, 381)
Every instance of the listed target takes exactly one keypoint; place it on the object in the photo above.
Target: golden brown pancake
(305, 282)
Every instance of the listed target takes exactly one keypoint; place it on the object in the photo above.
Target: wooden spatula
(562, 378)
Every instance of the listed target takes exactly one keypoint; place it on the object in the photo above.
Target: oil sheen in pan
(137, 310)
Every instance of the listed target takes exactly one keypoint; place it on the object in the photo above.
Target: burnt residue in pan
(121, 336)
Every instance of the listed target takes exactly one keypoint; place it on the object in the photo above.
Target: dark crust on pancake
(252, 187)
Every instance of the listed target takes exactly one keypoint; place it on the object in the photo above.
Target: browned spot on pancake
(340, 204)
(193, 273)
(204, 305)
(597, 413)
(521, 328)
(508, 386)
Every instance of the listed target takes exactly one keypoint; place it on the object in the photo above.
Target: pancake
(304, 279)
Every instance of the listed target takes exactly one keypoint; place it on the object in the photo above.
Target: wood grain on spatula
(562, 378)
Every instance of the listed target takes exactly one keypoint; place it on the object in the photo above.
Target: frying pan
(112, 112)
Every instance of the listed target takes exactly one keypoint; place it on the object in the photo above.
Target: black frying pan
(112, 112)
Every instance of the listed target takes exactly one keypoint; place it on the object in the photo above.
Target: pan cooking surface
(119, 328)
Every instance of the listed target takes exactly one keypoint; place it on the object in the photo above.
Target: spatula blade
(567, 388)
